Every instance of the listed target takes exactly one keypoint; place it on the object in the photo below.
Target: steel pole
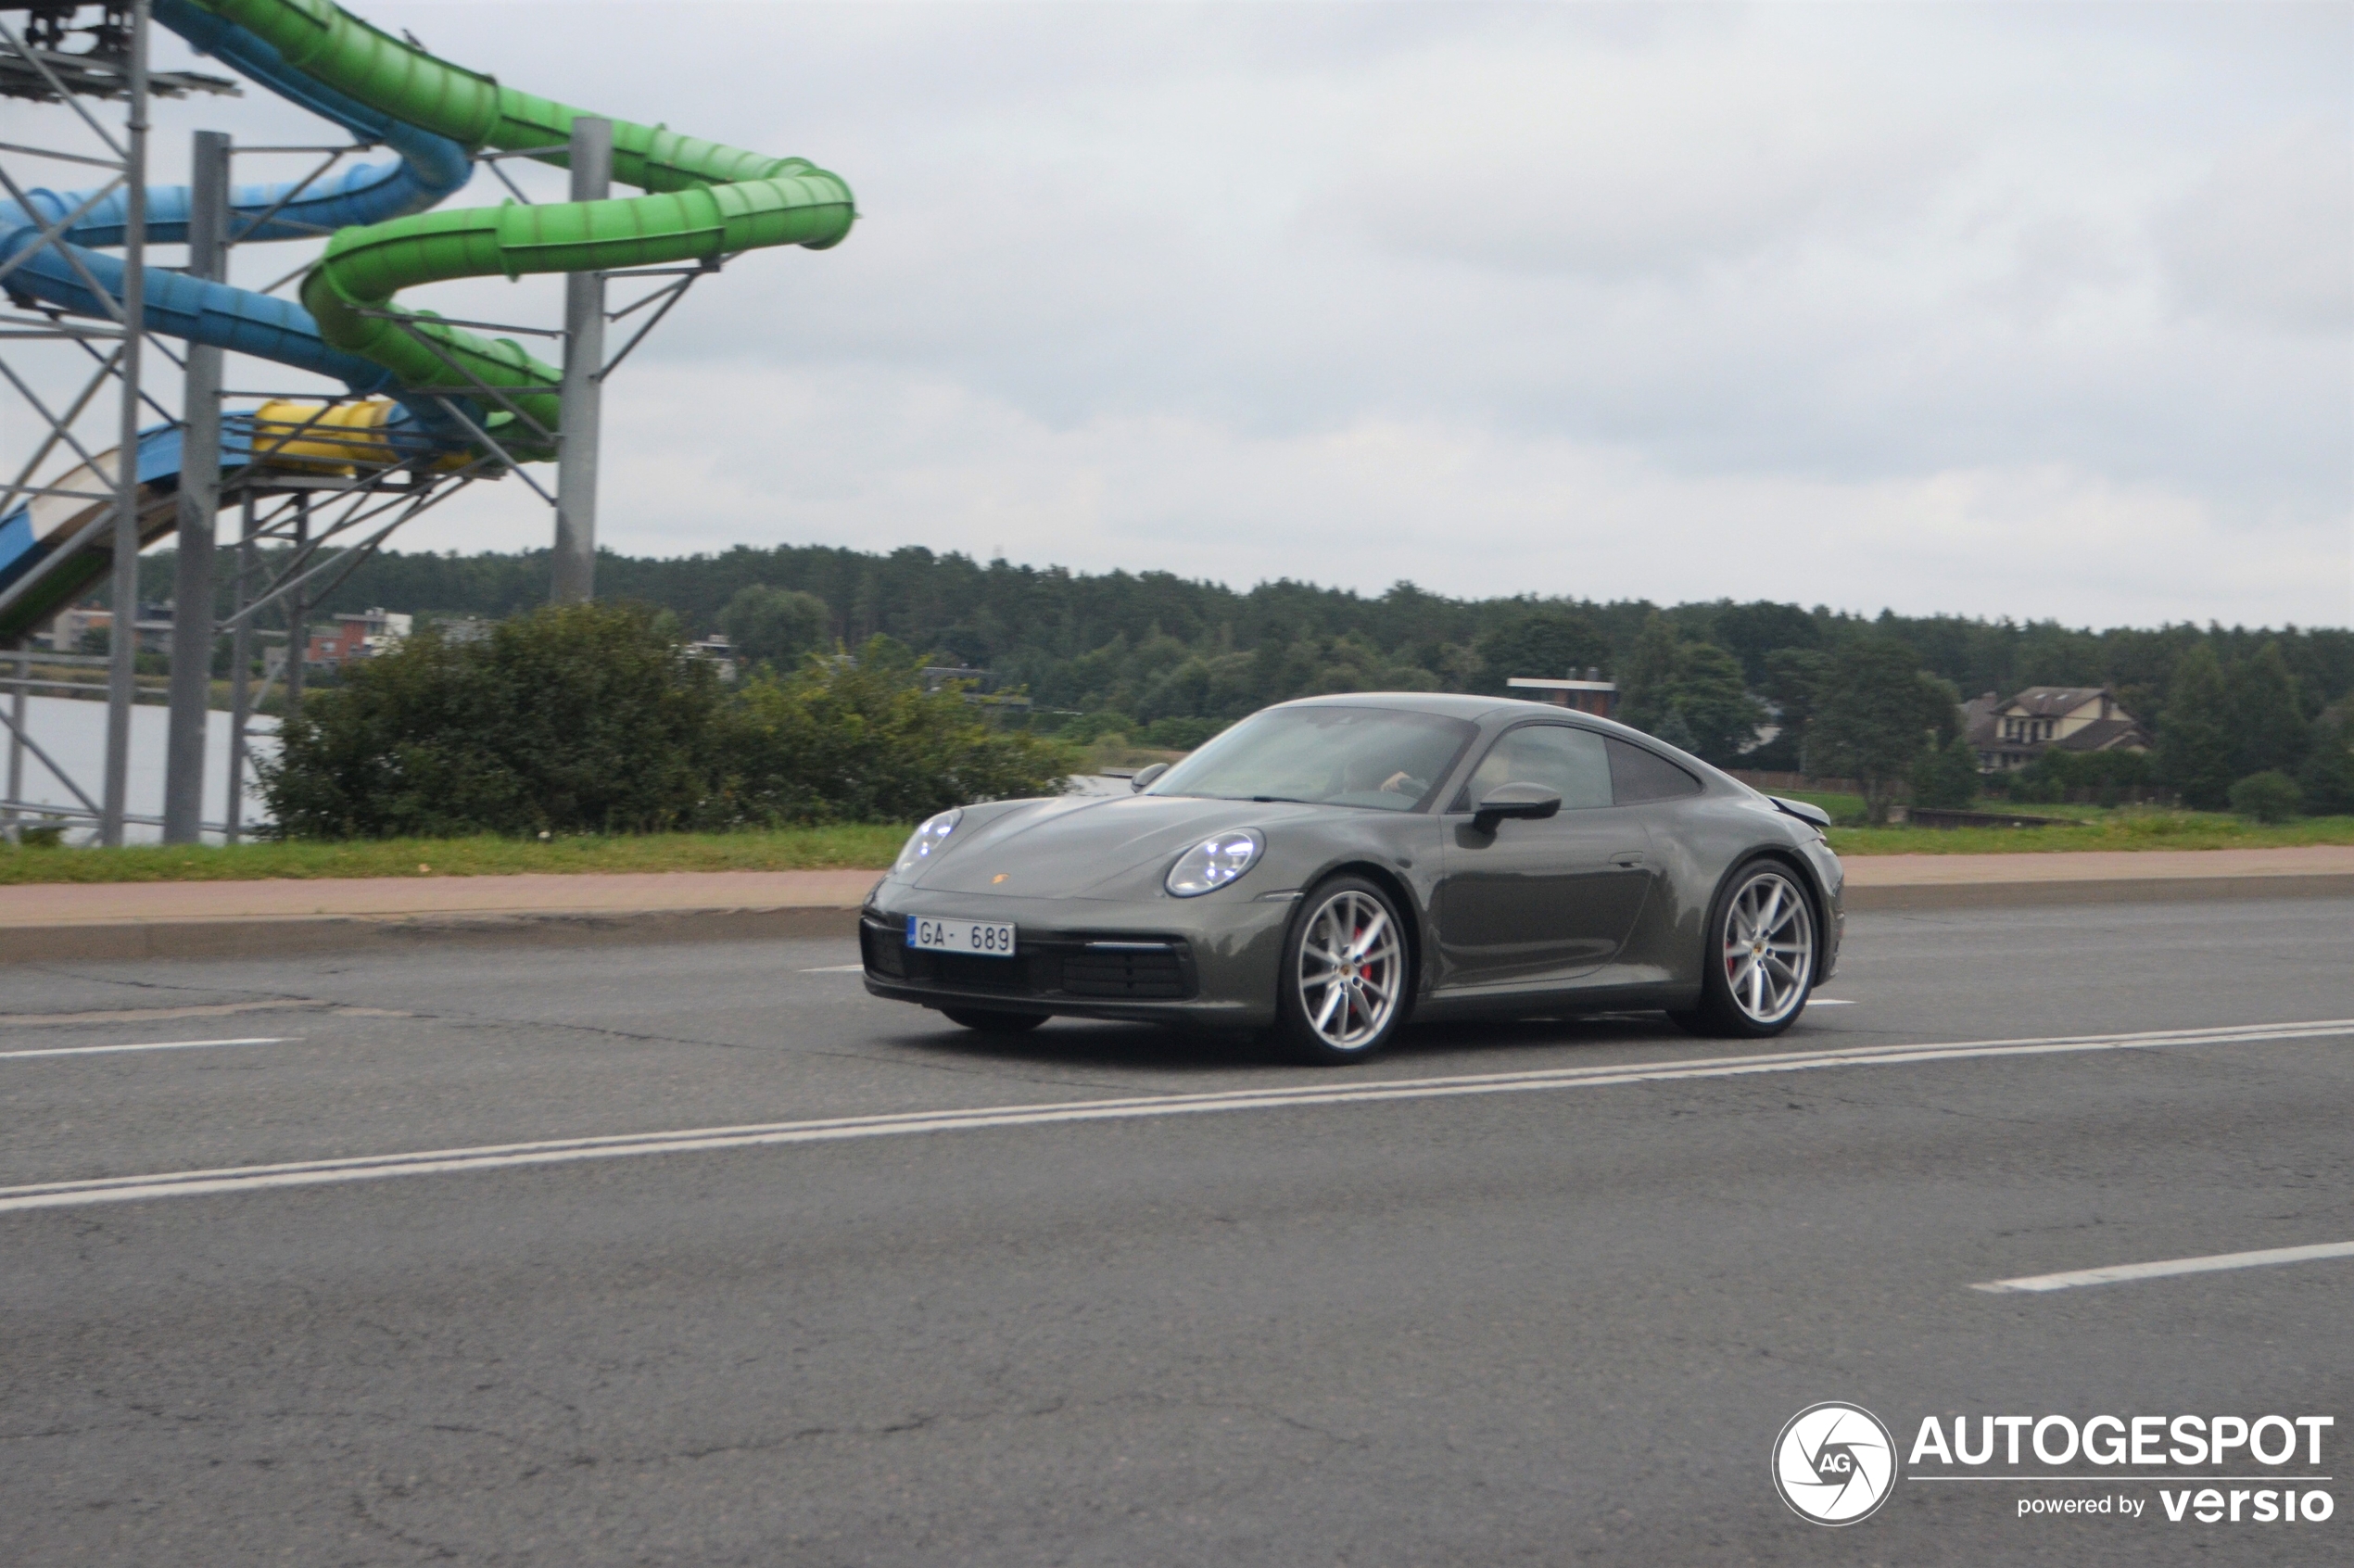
(15, 733)
(123, 636)
(200, 500)
(240, 675)
(297, 610)
(574, 576)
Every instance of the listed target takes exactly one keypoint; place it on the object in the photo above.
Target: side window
(1637, 774)
(1570, 761)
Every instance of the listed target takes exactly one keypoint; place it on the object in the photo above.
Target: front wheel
(1758, 963)
(1344, 978)
(990, 1022)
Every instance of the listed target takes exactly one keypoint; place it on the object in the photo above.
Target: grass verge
(2123, 830)
(2090, 828)
(871, 847)
(860, 847)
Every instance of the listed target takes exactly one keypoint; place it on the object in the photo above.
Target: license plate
(988, 939)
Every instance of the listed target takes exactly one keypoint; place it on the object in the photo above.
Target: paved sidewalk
(47, 921)
(84, 904)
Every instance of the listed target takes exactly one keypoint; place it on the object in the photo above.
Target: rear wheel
(1758, 963)
(990, 1022)
(1343, 991)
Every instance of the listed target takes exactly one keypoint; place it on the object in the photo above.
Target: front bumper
(1834, 877)
(1210, 962)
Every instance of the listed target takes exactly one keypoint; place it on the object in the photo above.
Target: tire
(1330, 1012)
(1758, 957)
(990, 1022)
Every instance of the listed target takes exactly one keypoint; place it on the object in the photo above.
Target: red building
(356, 636)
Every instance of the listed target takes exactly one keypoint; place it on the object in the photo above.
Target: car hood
(1075, 846)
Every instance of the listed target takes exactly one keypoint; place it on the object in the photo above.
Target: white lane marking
(149, 1045)
(1829, 1002)
(837, 969)
(369, 1168)
(2214, 1263)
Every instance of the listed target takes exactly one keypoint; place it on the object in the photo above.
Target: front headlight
(1213, 863)
(928, 840)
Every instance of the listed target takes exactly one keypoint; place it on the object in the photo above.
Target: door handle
(1627, 859)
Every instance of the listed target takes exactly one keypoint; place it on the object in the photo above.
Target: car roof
(1462, 705)
(1446, 704)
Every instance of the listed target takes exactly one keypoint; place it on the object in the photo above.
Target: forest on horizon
(1154, 646)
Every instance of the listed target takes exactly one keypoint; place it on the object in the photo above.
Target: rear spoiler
(1813, 815)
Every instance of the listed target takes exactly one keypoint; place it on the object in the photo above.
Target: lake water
(75, 734)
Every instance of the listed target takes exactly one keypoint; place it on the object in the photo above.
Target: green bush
(2101, 777)
(1945, 775)
(583, 718)
(2030, 786)
(590, 719)
(1875, 709)
(1179, 734)
(859, 739)
(2327, 776)
(1088, 729)
(775, 626)
(2270, 796)
(2195, 731)
(1553, 642)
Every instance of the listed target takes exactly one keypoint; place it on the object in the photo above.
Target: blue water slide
(430, 168)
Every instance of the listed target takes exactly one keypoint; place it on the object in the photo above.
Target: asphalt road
(1563, 1323)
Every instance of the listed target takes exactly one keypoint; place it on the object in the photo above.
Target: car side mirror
(1532, 801)
(1146, 775)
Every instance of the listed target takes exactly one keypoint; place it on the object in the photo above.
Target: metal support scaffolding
(123, 629)
(574, 566)
(308, 521)
(67, 461)
(16, 716)
(191, 633)
(296, 609)
(240, 672)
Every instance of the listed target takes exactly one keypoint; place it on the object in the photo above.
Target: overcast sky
(2019, 309)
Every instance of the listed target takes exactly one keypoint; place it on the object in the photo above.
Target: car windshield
(1371, 757)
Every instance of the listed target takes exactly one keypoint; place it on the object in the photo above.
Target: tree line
(1124, 641)
(1176, 657)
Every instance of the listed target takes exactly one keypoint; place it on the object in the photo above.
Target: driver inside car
(1356, 778)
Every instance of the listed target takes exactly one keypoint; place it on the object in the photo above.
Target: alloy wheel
(1351, 970)
(1769, 947)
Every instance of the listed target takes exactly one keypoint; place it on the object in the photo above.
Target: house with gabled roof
(2007, 734)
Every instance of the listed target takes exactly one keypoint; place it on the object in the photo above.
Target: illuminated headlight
(928, 840)
(1213, 863)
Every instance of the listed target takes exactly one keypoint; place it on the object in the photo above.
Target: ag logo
(1834, 1464)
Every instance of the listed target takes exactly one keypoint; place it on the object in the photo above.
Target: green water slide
(704, 202)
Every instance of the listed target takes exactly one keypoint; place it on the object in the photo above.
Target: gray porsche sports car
(1329, 868)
